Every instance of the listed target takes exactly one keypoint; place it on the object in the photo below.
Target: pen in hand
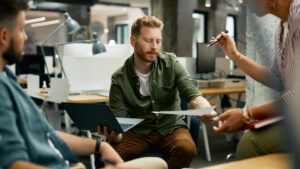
(221, 38)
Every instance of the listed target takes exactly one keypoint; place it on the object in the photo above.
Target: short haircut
(148, 21)
(9, 10)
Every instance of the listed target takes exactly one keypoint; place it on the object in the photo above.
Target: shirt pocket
(166, 92)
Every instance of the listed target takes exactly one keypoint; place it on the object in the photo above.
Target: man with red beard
(151, 80)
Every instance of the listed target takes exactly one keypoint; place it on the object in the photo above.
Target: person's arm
(12, 144)
(188, 88)
(258, 72)
(85, 146)
(232, 120)
(24, 164)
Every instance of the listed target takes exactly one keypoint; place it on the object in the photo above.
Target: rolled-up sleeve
(12, 146)
(187, 86)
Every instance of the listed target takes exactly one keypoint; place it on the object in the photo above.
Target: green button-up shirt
(167, 79)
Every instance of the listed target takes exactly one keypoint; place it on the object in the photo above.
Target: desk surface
(272, 161)
(87, 98)
(81, 98)
(205, 91)
(217, 91)
(96, 98)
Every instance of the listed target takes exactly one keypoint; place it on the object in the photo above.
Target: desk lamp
(97, 48)
(72, 27)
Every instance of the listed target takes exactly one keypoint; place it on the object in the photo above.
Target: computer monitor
(205, 60)
(49, 51)
(30, 64)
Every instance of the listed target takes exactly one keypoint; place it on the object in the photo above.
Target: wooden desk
(220, 91)
(272, 161)
(81, 98)
(205, 92)
(87, 98)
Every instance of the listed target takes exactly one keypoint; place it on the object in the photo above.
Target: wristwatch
(246, 118)
(97, 147)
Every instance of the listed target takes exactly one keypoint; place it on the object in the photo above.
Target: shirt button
(153, 101)
(48, 134)
(138, 83)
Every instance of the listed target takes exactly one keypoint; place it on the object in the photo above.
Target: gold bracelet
(250, 112)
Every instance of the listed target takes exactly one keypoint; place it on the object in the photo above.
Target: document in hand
(262, 123)
(193, 112)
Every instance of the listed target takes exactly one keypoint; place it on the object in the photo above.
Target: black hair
(9, 10)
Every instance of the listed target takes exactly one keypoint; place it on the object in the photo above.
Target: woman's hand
(228, 46)
(230, 122)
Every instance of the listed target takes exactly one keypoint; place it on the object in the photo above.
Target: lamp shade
(72, 25)
(98, 47)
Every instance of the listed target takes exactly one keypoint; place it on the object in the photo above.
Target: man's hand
(207, 118)
(230, 122)
(112, 137)
(201, 102)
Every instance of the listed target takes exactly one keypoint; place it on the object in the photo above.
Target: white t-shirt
(144, 83)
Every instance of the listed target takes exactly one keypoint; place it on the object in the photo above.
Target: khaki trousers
(261, 142)
(179, 145)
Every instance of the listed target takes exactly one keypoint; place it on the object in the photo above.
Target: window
(199, 29)
(122, 36)
(231, 27)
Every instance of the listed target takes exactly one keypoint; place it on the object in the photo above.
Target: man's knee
(186, 148)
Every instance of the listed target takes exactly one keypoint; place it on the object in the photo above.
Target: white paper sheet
(193, 112)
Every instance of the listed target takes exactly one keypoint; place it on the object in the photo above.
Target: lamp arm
(42, 46)
(60, 62)
(79, 41)
(53, 33)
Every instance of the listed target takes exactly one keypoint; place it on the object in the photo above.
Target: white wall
(260, 48)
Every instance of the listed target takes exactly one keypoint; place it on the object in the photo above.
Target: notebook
(263, 122)
(87, 116)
